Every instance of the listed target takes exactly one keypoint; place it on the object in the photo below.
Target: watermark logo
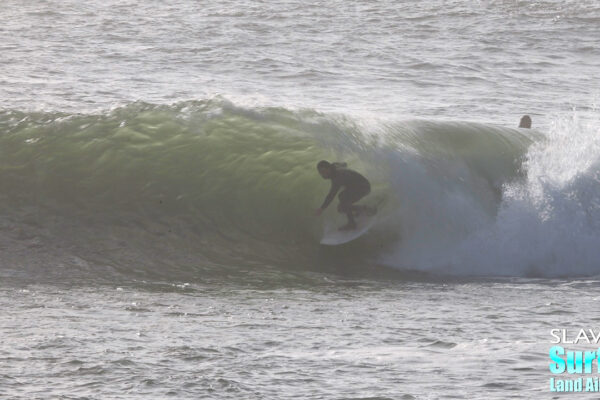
(575, 367)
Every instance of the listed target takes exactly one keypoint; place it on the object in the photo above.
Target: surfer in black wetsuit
(355, 186)
(525, 122)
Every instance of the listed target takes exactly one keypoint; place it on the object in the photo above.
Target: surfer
(525, 122)
(355, 186)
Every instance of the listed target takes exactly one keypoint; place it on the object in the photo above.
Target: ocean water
(157, 185)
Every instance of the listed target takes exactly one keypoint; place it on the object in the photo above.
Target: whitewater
(158, 182)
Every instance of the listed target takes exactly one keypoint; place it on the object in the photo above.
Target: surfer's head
(325, 169)
(525, 122)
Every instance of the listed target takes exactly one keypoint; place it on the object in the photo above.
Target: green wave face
(206, 185)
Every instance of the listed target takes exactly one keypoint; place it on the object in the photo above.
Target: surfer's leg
(358, 209)
(346, 207)
(350, 196)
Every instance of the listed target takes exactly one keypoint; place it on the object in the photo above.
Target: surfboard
(332, 236)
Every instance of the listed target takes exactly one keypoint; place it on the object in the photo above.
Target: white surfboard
(332, 236)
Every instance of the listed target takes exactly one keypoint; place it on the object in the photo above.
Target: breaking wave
(207, 188)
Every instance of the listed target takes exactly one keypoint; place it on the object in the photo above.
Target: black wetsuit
(355, 186)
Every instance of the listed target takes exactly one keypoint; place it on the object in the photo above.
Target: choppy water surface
(483, 60)
(338, 340)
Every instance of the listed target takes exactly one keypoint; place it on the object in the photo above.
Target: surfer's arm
(332, 192)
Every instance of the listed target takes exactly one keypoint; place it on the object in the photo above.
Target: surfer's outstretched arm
(335, 187)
